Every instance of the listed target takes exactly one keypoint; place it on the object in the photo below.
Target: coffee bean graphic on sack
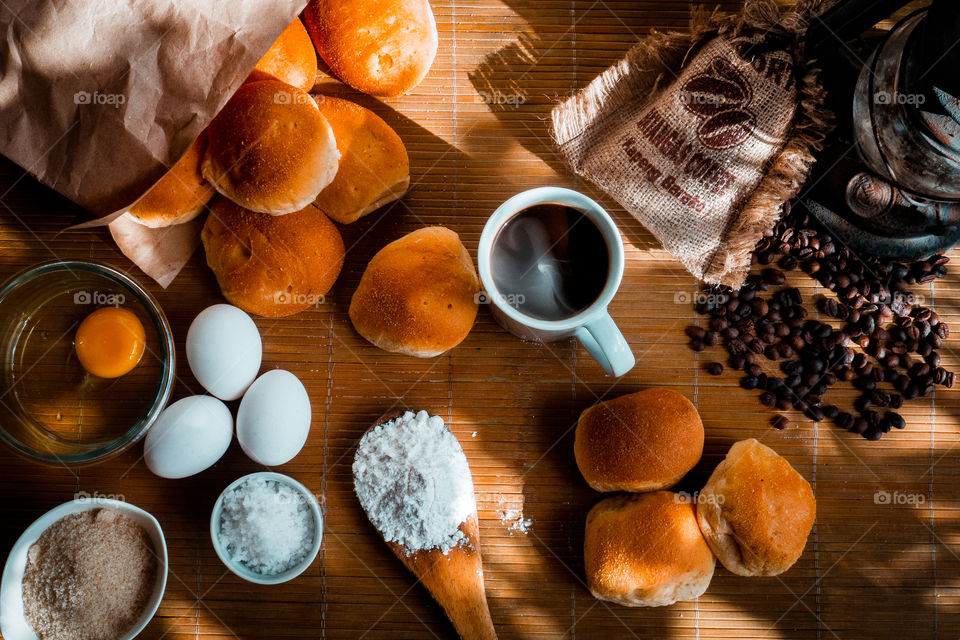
(720, 95)
(711, 93)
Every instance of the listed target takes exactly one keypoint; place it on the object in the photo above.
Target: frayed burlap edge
(648, 63)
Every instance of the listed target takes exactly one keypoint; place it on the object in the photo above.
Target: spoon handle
(455, 580)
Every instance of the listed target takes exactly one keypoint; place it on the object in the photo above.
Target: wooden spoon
(454, 579)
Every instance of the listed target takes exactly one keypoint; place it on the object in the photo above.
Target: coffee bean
(714, 368)
(844, 420)
(879, 398)
(760, 307)
(895, 420)
(831, 411)
(919, 370)
(780, 422)
(773, 276)
(788, 263)
(860, 425)
(768, 399)
(748, 382)
(791, 367)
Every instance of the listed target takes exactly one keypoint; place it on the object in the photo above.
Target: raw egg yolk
(110, 342)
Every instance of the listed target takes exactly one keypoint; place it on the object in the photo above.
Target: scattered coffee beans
(881, 340)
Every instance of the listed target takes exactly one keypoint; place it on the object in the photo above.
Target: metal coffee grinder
(889, 182)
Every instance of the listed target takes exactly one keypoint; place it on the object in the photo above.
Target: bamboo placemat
(477, 133)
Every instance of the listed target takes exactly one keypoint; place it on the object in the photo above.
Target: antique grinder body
(892, 182)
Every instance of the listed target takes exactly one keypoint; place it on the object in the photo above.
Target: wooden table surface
(476, 131)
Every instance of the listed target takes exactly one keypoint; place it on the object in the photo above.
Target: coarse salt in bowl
(239, 556)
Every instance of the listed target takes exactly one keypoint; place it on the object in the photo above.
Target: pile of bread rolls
(277, 164)
(653, 549)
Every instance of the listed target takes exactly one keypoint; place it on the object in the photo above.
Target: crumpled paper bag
(98, 99)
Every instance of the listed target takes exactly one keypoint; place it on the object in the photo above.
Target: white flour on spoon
(412, 479)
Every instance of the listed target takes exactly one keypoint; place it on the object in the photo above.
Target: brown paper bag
(98, 99)
(703, 136)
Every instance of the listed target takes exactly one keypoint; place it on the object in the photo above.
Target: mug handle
(603, 340)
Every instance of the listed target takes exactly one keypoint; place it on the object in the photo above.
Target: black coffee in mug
(550, 261)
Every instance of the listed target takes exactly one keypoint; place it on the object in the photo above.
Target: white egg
(274, 418)
(224, 350)
(188, 437)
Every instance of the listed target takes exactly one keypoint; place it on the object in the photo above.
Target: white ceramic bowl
(13, 623)
(241, 570)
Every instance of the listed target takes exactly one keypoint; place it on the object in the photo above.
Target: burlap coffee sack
(703, 136)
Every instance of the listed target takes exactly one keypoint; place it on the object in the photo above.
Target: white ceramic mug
(593, 326)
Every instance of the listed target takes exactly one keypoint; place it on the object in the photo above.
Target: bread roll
(272, 266)
(270, 149)
(380, 47)
(374, 167)
(418, 294)
(642, 441)
(756, 511)
(180, 195)
(291, 59)
(646, 550)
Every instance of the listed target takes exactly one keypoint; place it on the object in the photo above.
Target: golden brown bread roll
(418, 294)
(756, 511)
(374, 166)
(180, 195)
(272, 266)
(380, 47)
(639, 442)
(270, 150)
(646, 550)
(291, 59)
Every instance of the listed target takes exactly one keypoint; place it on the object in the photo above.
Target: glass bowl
(51, 409)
